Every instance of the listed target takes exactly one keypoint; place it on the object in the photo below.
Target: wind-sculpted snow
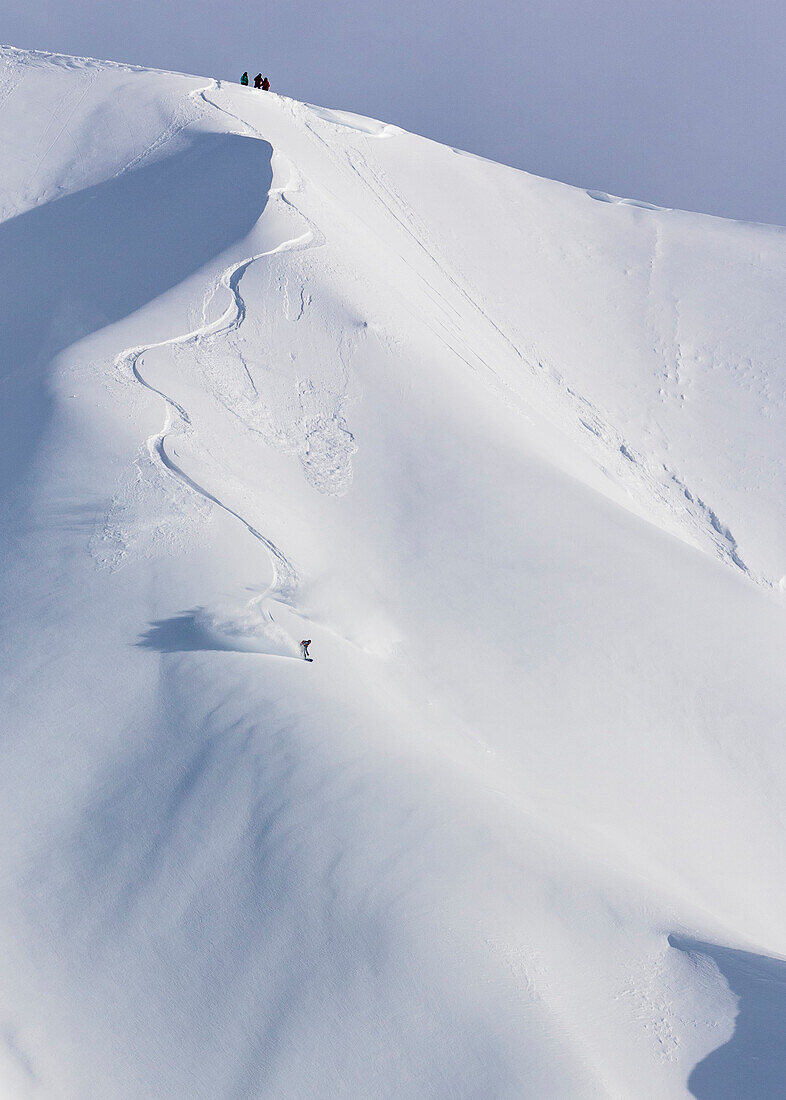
(513, 459)
(753, 1060)
(83, 262)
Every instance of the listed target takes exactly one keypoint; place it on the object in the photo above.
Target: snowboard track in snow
(177, 420)
(507, 836)
(677, 508)
(657, 493)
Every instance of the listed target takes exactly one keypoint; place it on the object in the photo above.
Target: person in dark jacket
(258, 80)
(244, 80)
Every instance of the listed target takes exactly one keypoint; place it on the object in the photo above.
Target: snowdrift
(512, 455)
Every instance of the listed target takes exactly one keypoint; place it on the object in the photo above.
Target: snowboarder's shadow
(191, 632)
(183, 634)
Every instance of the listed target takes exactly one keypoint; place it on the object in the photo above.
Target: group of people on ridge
(260, 81)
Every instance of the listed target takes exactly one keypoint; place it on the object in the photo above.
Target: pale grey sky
(679, 102)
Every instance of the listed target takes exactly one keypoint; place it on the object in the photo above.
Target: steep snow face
(512, 456)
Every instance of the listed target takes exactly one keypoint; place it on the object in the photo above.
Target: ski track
(177, 419)
(70, 109)
(183, 118)
(28, 196)
(676, 508)
(323, 459)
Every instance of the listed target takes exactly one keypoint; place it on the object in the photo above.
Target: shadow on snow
(183, 633)
(752, 1064)
(194, 631)
(77, 264)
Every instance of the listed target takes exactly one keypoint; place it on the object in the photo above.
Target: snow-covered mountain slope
(513, 456)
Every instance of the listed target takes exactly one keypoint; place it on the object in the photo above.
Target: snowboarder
(304, 649)
(258, 80)
(244, 80)
(266, 85)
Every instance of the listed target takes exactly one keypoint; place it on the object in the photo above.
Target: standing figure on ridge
(266, 85)
(244, 80)
(258, 80)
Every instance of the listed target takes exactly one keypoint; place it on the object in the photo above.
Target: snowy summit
(511, 457)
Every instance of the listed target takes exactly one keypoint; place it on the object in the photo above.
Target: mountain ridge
(513, 458)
